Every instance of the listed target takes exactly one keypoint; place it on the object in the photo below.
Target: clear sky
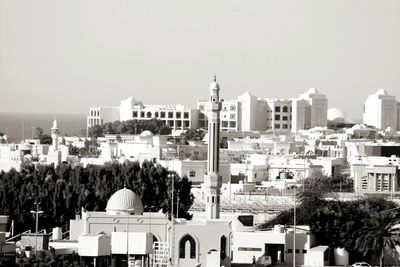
(65, 56)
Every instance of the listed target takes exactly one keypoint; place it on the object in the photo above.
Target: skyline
(58, 55)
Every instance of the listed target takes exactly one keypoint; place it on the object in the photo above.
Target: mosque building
(124, 233)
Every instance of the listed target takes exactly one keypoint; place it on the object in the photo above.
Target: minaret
(212, 180)
(54, 135)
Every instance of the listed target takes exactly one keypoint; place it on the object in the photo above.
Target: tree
(45, 139)
(380, 231)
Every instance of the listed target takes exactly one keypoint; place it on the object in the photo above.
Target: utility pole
(37, 212)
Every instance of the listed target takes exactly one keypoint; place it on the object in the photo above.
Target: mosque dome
(146, 133)
(312, 91)
(381, 92)
(337, 115)
(122, 201)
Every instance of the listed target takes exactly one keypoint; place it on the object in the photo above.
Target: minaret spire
(212, 180)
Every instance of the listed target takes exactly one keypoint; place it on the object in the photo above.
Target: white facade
(375, 174)
(249, 113)
(101, 115)
(381, 111)
(177, 117)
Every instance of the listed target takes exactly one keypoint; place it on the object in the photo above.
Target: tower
(212, 180)
(54, 135)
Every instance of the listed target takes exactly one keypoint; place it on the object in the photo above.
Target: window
(171, 123)
(290, 250)
(224, 124)
(148, 115)
(201, 116)
(187, 245)
(297, 251)
(233, 108)
(162, 114)
(304, 251)
(284, 126)
(170, 114)
(178, 123)
(186, 115)
(141, 114)
(277, 117)
(156, 114)
(277, 109)
(134, 114)
(192, 174)
(186, 124)
(284, 118)
(285, 109)
(232, 124)
(232, 116)
(178, 115)
(277, 126)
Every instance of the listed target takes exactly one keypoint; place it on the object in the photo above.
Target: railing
(17, 236)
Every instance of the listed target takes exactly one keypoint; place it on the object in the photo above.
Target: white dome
(381, 92)
(146, 133)
(124, 200)
(336, 114)
(312, 91)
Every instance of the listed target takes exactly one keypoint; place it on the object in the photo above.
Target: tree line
(64, 190)
(129, 127)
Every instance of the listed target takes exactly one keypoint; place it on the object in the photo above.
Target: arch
(182, 247)
(223, 247)
(285, 109)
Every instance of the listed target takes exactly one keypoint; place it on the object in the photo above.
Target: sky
(65, 56)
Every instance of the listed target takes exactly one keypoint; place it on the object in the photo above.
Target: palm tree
(380, 231)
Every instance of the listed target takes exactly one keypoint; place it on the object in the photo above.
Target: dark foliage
(64, 190)
(129, 127)
(334, 223)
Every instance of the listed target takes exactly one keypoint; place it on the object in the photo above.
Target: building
(375, 174)
(249, 113)
(381, 111)
(177, 117)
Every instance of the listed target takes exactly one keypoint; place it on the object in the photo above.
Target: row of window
(232, 124)
(284, 126)
(171, 123)
(93, 122)
(284, 109)
(284, 118)
(94, 113)
(161, 114)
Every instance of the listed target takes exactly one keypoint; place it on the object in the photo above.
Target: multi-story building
(249, 113)
(178, 117)
(382, 111)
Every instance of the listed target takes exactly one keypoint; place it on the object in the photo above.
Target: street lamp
(37, 212)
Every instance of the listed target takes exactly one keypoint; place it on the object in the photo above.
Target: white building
(375, 174)
(381, 111)
(177, 117)
(249, 113)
